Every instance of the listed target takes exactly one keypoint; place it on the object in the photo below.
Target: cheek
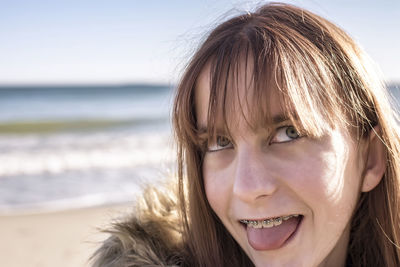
(314, 172)
(323, 176)
(217, 185)
(328, 181)
(339, 175)
(216, 161)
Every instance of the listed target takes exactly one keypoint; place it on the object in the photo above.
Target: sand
(62, 239)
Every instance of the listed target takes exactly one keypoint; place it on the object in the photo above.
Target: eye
(220, 143)
(285, 134)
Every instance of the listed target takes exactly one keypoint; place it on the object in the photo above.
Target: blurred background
(86, 89)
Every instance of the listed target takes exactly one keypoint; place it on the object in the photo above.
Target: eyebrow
(202, 130)
(277, 119)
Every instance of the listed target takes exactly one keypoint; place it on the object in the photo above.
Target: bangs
(304, 61)
(263, 65)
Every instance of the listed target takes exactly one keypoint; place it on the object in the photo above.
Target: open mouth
(272, 233)
(268, 223)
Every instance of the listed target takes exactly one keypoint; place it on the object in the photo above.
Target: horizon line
(99, 84)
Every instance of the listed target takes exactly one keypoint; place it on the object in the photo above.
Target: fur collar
(150, 237)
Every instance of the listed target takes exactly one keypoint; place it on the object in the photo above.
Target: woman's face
(286, 199)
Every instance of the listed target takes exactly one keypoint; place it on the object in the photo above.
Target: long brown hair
(328, 81)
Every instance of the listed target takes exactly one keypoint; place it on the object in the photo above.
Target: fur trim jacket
(151, 237)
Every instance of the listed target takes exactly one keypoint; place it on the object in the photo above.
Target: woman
(288, 155)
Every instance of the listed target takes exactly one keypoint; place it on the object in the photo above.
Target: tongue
(272, 238)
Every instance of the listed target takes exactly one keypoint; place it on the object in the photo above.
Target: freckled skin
(317, 178)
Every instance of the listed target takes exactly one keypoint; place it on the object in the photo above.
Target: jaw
(338, 256)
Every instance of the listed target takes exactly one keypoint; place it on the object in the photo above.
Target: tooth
(278, 221)
(258, 225)
(268, 223)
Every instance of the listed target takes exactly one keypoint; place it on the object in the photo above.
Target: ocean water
(67, 147)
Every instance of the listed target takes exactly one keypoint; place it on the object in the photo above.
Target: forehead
(239, 101)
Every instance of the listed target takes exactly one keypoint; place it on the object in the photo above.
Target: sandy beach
(62, 239)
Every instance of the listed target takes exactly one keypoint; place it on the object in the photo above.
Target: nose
(254, 175)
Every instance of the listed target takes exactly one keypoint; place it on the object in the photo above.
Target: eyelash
(288, 127)
(209, 149)
(277, 131)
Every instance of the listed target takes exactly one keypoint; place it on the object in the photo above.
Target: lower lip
(291, 237)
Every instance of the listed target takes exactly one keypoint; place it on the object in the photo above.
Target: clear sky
(125, 41)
